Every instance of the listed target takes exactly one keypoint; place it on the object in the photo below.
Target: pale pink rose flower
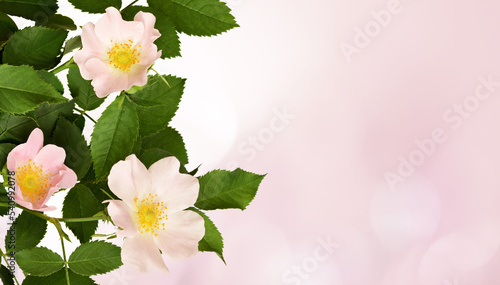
(39, 172)
(152, 212)
(116, 54)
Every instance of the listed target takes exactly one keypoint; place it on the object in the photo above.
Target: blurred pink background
(337, 101)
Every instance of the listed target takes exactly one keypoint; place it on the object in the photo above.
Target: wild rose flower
(152, 211)
(40, 172)
(116, 54)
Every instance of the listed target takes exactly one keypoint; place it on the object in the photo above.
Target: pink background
(352, 120)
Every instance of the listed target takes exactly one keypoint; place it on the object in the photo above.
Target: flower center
(32, 181)
(151, 215)
(122, 56)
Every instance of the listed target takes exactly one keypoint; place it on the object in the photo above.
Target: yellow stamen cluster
(32, 181)
(122, 56)
(151, 214)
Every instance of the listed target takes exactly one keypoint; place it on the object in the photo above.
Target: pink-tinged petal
(121, 182)
(23, 203)
(120, 213)
(141, 252)
(139, 80)
(178, 191)
(112, 27)
(51, 157)
(148, 20)
(68, 179)
(97, 67)
(129, 179)
(46, 208)
(51, 191)
(149, 55)
(23, 152)
(183, 231)
(93, 47)
(91, 41)
(142, 177)
(18, 194)
(108, 83)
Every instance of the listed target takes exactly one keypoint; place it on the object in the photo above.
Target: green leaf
(59, 278)
(7, 27)
(51, 79)
(35, 46)
(212, 241)
(222, 189)
(22, 90)
(82, 91)
(39, 261)
(5, 148)
(196, 17)
(46, 115)
(168, 42)
(72, 44)
(95, 6)
(15, 129)
(70, 137)
(81, 203)
(167, 139)
(97, 188)
(76, 119)
(96, 257)
(150, 156)
(6, 276)
(26, 232)
(157, 103)
(5, 199)
(101, 191)
(59, 22)
(114, 135)
(30, 9)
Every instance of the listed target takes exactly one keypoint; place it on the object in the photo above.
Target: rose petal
(23, 152)
(183, 231)
(120, 213)
(129, 179)
(68, 179)
(141, 252)
(112, 27)
(148, 20)
(178, 191)
(51, 157)
(50, 191)
(141, 176)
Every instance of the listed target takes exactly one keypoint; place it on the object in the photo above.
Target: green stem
(50, 219)
(36, 213)
(79, 220)
(61, 235)
(107, 194)
(62, 67)
(83, 112)
(130, 4)
(161, 76)
(7, 265)
(90, 118)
